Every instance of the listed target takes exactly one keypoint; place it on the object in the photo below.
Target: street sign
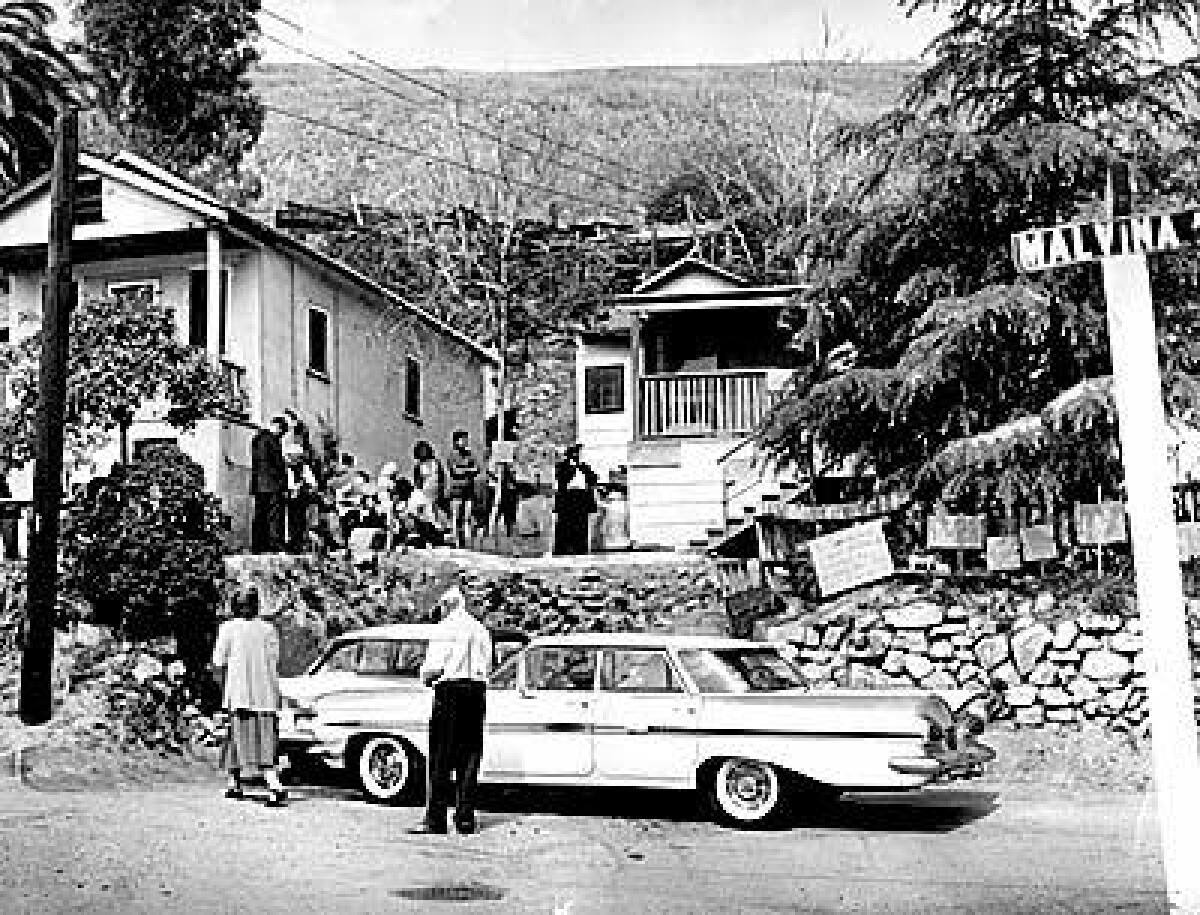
(1077, 243)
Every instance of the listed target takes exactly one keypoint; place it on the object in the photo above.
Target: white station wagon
(729, 717)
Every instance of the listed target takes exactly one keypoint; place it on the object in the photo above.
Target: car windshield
(740, 670)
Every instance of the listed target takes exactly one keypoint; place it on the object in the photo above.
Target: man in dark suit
(268, 486)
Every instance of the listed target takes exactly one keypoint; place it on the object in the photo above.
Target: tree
(36, 77)
(145, 548)
(174, 81)
(125, 353)
(914, 263)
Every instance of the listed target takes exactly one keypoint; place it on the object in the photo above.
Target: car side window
(561, 668)
(343, 659)
(376, 657)
(638, 671)
(410, 655)
(505, 676)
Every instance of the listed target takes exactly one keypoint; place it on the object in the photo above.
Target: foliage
(124, 353)
(36, 77)
(175, 81)
(913, 265)
(145, 547)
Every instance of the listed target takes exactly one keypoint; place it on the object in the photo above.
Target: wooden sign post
(1121, 244)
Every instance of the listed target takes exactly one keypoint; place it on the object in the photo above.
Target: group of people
(245, 662)
(299, 506)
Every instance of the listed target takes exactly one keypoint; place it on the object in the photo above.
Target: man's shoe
(277, 799)
(466, 827)
(427, 829)
(234, 794)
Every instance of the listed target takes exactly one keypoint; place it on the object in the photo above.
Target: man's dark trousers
(455, 751)
(266, 529)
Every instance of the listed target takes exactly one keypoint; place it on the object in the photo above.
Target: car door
(540, 726)
(645, 720)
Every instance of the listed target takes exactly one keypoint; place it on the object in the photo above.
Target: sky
(564, 34)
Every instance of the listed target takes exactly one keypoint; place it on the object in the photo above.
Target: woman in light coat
(246, 663)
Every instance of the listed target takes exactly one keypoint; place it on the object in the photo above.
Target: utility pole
(37, 660)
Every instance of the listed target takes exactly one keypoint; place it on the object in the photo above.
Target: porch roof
(694, 284)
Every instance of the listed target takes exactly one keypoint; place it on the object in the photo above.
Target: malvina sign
(1041, 249)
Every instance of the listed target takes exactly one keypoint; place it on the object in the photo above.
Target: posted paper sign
(1038, 543)
(1003, 554)
(1100, 523)
(847, 559)
(954, 532)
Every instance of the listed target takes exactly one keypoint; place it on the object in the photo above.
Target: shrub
(144, 546)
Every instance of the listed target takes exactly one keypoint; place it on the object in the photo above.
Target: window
(561, 668)
(505, 677)
(412, 387)
(410, 655)
(89, 201)
(144, 445)
(134, 290)
(198, 309)
(343, 659)
(604, 389)
(638, 672)
(318, 341)
(375, 658)
(5, 309)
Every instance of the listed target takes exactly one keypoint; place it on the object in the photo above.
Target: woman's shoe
(234, 794)
(277, 799)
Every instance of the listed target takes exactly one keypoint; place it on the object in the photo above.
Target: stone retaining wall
(1041, 661)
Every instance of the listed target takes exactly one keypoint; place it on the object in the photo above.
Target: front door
(645, 719)
(542, 726)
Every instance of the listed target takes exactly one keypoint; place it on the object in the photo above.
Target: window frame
(222, 314)
(321, 371)
(528, 670)
(116, 287)
(599, 406)
(84, 214)
(413, 365)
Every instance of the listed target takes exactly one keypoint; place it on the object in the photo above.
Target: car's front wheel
(388, 770)
(746, 792)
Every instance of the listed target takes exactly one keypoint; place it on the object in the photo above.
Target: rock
(917, 666)
(833, 636)
(1125, 643)
(1116, 700)
(941, 650)
(1083, 689)
(1007, 674)
(937, 680)
(1029, 645)
(969, 672)
(1105, 665)
(1021, 696)
(1043, 605)
(1053, 697)
(1062, 715)
(1086, 643)
(1045, 674)
(1064, 634)
(919, 615)
(910, 640)
(956, 612)
(1101, 622)
(948, 629)
(1034, 716)
(893, 663)
(992, 651)
(1069, 656)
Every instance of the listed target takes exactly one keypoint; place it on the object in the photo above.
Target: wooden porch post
(213, 277)
(635, 375)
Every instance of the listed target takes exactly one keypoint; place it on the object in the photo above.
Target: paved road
(182, 848)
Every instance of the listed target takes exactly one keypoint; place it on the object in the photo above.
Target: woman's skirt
(253, 740)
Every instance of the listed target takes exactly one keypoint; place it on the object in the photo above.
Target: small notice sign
(1077, 243)
(1038, 543)
(1099, 524)
(954, 532)
(847, 559)
(1004, 554)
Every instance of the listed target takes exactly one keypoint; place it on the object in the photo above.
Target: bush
(144, 546)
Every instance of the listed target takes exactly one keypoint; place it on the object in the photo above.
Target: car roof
(416, 631)
(643, 640)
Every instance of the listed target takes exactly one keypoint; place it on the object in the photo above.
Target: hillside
(640, 120)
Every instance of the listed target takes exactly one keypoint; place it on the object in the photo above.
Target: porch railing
(702, 403)
(235, 376)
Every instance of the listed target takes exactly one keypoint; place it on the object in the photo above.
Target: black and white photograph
(600, 456)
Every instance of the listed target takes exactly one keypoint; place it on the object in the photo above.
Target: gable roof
(685, 265)
(151, 179)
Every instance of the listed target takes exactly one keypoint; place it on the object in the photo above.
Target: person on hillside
(574, 502)
(268, 487)
(245, 662)
(462, 470)
(456, 666)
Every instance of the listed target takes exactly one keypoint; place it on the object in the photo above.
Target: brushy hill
(640, 120)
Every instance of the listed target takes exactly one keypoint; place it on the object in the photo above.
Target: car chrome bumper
(964, 762)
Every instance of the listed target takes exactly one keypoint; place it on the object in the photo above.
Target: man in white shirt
(456, 665)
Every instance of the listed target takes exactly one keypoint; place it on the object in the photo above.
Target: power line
(445, 160)
(446, 95)
(482, 131)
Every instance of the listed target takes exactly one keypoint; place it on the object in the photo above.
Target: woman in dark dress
(574, 501)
